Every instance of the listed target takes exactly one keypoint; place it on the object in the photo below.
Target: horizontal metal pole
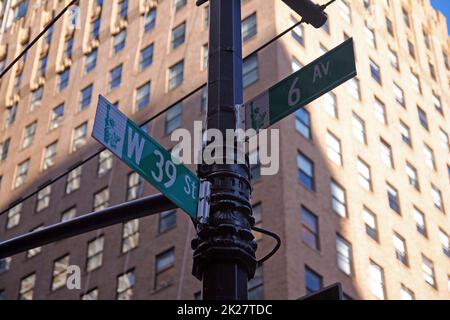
(92, 221)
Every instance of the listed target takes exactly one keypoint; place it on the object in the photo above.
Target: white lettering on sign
(135, 145)
(321, 70)
(190, 186)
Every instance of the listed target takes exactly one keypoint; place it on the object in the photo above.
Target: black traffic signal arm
(89, 222)
(310, 12)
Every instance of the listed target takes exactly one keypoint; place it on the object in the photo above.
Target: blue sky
(444, 7)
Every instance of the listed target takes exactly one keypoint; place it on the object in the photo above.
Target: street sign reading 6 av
(143, 154)
(302, 87)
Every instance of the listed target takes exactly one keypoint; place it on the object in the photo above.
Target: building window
(344, 255)
(69, 214)
(143, 96)
(173, 118)
(370, 37)
(256, 285)
(64, 79)
(59, 278)
(419, 219)
(313, 281)
(428, 271)
(115, 77)
(406, 135)
(56, 116)
(298, 33)
(416, 82)
(178, 35)
(176, 75)
(105, 161)
(437, 103)
(380, 111)
(73, 180)
(393, 198)
(101, 199)
(346, 11)
(399, 95)
(411, 49)
(150, 20)
(29, 134)
(423, 119)
(86, 97)
(255, 165)
(376, 278)
(429, 157)
(130, 235)
(42, 65)
(69, 46)
(95, 28)
(249, 27)
(296, 64)
(390, 27)
(386, 154)
(364, 174)
(49, 156)
(310, 224)
(91, 61)
(338, 199)
(371, 224)
(43, 198)
(14, 214)
(146, 57)
(5, 264)
(20, 10)
(79, 137)
(94, 258)
(445, 143)
(179, 4)
(359, 128)
(303, 123)
(167, 221)
(406, 294)
(400, 249)
(164, 269)
(205, 60)
(123, 9)
(432, 71)
(393, 58)
(21, 173)
(445, 241)
(437, 197)
(330, 104)
(411, 172)
(306, 171)
(36, 98)
(4, 149)
(135, 186)
(204, 100)
(250, 70)
(206, 17)
(26, 291)
(375, 72)
(334, 148)
(91, 295)
(354, 88)
(125, 285)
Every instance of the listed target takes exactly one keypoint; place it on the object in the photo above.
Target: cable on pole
(274, 250)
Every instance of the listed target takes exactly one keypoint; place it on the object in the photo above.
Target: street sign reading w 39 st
(302, 87)
(144, 155)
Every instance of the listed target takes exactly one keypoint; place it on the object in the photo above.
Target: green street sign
(143, 154)
(302, 87)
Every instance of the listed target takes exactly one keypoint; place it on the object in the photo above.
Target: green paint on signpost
(143, 154)
(302, 87)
